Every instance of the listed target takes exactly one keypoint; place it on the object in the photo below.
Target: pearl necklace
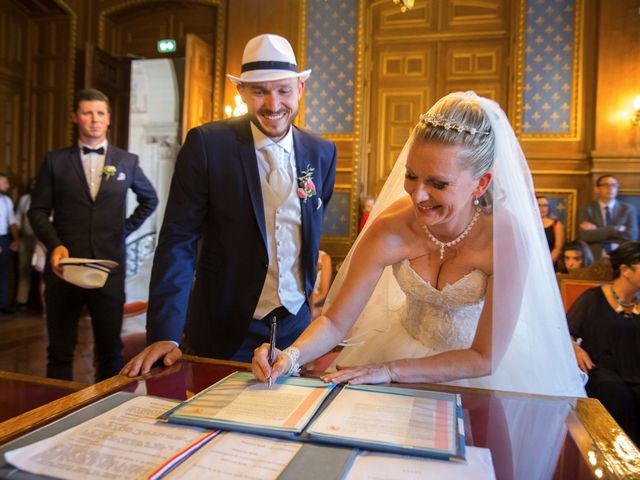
(624, 305)
(456, 240)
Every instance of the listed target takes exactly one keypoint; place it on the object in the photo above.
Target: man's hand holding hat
(58, 254)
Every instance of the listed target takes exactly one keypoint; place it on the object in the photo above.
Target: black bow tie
(87, 150)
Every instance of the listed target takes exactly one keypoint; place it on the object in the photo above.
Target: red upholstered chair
(572, 288)
(573, 284)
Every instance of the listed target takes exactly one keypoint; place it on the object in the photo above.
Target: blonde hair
(458, 120)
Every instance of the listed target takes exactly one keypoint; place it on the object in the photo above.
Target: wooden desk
(528, 435)
(21, 393)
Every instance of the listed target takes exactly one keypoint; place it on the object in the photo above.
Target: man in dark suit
(253, 189)
(605, 223)
(85, 188)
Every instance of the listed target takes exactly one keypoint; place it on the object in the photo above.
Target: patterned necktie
(278, 178)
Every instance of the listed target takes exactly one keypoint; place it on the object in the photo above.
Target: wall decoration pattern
(336, 216)
(549, 64)
(331, 54)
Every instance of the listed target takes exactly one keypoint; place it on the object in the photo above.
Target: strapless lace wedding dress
(429, 320)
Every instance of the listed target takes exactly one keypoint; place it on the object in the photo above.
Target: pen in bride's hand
(272, 346)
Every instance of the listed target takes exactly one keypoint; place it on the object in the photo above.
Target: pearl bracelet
(294, 367)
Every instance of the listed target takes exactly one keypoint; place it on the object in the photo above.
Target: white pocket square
(319, 204)
(121, 176)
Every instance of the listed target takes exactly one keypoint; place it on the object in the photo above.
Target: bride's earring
(476, 202)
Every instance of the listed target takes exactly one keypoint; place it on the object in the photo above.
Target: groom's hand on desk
(166, 351)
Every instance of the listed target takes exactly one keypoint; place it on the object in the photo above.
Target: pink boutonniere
(306, 187)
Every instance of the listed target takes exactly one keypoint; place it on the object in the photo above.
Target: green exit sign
(167, 45)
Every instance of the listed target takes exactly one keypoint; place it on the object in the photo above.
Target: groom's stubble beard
(277, 133)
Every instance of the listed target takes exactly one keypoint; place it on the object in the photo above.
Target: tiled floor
(23, 344)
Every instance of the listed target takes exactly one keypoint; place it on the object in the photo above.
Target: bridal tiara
(438, 120)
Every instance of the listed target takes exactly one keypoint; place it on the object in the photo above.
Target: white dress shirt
(7, 216)
(283, 221)
(93, 165)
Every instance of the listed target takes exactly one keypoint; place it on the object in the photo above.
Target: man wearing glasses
(606, 222)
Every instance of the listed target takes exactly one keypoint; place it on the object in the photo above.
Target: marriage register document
(124, 443)
(240, 403)
(415, 422)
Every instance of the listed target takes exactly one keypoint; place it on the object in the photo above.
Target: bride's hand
(260, 363)
(372, 373)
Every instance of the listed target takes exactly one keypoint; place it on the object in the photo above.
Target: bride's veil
(529, 324)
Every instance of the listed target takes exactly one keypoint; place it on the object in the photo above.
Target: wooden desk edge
(32, 419)
(227, 363)
(609, 439)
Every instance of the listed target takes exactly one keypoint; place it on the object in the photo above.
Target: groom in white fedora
(252, 191)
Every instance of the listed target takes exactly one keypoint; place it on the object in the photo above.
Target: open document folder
(397, 420)
(240, 403)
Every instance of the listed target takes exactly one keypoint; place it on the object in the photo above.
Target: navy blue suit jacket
(214, 226)
(87, 228)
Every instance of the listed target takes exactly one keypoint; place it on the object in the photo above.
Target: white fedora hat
(266, 58)
(87, 272)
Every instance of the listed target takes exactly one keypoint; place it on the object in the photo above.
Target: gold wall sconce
(404, 4)
(635, 114)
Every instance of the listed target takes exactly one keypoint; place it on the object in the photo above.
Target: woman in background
(574, 255)
(553, 229)
(605, 325)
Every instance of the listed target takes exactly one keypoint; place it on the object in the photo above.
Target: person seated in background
(367, 205)
(553, 229)
(574, 255)
(604, 323)
(606, 222)
(323, 282)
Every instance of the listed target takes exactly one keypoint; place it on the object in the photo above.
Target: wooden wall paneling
(481, 66)
(50, 77)
(401, 89)
(37, 50)
(617, 141)
(132, 28)
(389, 21)
(13, 67)
(136, 29)
(474, 16)
(112, 76)
(427, 52)
(618, 79)
(198, 84)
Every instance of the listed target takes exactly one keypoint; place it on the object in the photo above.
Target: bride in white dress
(451, 280)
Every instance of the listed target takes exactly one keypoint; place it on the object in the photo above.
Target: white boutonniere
(306, 187)
(108, 171)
